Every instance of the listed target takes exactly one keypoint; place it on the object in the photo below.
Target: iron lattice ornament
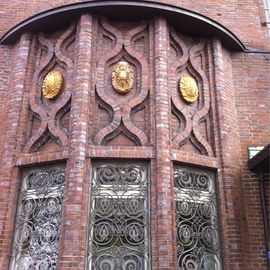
(188, 89)
(52, 84)
(122, 77)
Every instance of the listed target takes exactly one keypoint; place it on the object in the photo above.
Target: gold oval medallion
(188, 88)
(122, 77)
(52, 84)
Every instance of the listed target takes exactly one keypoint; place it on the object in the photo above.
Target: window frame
(213, 217)
(40, 198)
(266, 5)
(120, 195)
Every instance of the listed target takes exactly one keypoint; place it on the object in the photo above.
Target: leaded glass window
(118, 219)
(198, 246)
(35, 244)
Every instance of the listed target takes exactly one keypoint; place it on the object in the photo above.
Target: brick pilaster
(229, 176)
(165, 225)
(9, 177)
(74, 227)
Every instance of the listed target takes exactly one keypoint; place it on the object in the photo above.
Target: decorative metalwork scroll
(198, 246)
(35, 245)
(119, 220)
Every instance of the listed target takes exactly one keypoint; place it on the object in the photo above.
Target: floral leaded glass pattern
(119, 220)
(35, 245)
(198, 246)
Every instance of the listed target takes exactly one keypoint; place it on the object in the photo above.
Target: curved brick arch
(61, 16)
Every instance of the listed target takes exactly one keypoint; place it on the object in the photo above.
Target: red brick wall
(9, 173)
(244, 18)
(232, 113)
(252, 84)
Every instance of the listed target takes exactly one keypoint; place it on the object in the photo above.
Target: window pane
(118, 219)
(267, 13)
(36, 237)
(196, 219)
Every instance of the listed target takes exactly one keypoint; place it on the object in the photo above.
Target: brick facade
(89, 121)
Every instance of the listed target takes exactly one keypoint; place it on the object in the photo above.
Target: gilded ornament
(188, 88)
(122, 77)
(52, 84)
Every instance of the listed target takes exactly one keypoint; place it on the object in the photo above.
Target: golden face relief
(122, 77)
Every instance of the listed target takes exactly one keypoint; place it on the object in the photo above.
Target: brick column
(9, 176)
(164, 235)
(74, 226)
(229, 176)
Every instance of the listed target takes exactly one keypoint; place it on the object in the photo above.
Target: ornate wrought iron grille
(35, 245)
(198, 246)
(119, 220)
